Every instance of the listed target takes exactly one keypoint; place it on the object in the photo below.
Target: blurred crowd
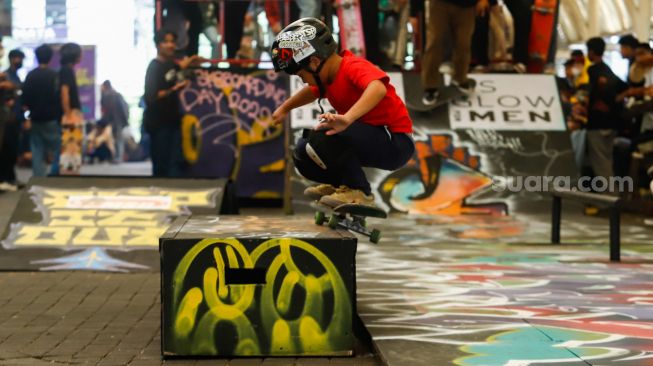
(33, 111)
(611, 119)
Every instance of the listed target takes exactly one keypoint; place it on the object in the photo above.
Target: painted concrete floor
(437, 290)
(480, 291)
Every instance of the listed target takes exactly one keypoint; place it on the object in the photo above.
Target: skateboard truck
(355, 223)
(350, 217)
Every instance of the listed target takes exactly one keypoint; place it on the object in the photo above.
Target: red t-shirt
(354, 75)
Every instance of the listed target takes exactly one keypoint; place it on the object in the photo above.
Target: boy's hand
(279, 115)
(333, 123)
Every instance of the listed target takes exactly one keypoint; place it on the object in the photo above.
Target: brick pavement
(87, 318)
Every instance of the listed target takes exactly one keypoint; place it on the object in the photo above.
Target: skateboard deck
(351, 26)
(72, 137)
(350, 217)
(542, 32)
(447, 94)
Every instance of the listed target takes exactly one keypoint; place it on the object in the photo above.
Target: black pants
(234, 18)
(521, 15)
(373, 146)
(481, 41)
(370, 17)
(102, 153)
(9, 151)
(166, 154)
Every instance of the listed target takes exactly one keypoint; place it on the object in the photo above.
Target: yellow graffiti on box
(260, 315)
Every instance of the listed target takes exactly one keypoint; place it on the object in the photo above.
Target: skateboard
(349, 216)
(447, 94)
(72, 137)
(351, 26)
(542, 32)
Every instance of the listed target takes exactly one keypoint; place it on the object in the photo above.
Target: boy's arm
(300, 98)
(372, 95)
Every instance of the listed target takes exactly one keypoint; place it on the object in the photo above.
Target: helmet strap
(320, 85)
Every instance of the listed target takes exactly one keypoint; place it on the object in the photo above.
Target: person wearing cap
(371, 126)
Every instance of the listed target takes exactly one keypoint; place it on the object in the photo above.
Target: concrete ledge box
(235, 286)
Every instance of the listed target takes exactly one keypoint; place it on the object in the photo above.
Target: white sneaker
(8, 187)
(430, 97)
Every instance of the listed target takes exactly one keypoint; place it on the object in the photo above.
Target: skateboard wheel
(319, 218)
(375, 236)
(333, 221)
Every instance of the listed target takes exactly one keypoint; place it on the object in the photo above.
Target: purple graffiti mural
(227, 130)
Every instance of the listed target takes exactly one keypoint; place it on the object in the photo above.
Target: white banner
(119, 202)
(510, 102)
(306, 116)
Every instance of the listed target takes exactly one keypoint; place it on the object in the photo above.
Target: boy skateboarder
(370, 129)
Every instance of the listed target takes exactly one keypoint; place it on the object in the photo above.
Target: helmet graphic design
(301, 39)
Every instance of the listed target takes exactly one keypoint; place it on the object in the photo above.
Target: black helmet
(298, 41)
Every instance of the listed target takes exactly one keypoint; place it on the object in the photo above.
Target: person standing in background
(41, 96)
(604, 110)
(9, 131)
(13, 121)
(162, 115)
(627, 46)
(71, 55)
(454, 18)
(69, 159)
(116, 112)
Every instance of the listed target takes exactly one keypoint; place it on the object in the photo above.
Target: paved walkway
(84, 318)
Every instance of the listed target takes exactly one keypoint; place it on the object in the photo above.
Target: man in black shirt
(162, 115)
(71, 55)
(12, 122)
(603, 110)
(41, 97)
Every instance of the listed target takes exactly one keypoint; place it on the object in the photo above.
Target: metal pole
(556, 211)
(615, 240)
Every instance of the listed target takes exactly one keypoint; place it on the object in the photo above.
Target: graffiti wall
(438, 180)
(458, 154)
(227, 131)
(61, 224)
(255, 293)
